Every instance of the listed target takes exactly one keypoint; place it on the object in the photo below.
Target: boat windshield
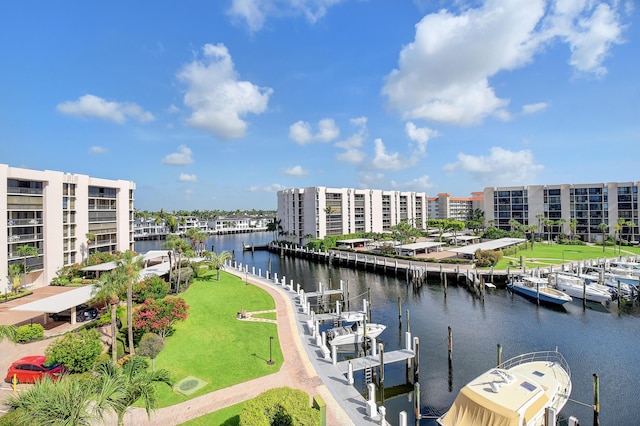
(354, 327)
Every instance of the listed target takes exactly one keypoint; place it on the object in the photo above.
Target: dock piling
(596, 400)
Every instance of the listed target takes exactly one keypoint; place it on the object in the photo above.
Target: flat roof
(58, 302)
(421, 245)
(354, 240)
(489, 245)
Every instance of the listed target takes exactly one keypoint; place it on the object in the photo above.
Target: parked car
(83, 313)
(32, 368)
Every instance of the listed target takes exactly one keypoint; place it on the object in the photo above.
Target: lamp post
(246, 279)
(270, 362)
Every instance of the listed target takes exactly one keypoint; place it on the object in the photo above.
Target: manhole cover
(189, 385)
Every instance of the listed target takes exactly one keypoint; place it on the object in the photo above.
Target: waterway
(601, 341)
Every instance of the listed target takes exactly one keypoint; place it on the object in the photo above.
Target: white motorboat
(536, 288)
(611, 281)
(354, 333)
(578, 288)
(516, 393)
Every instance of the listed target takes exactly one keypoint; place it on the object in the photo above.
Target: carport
(59, 302)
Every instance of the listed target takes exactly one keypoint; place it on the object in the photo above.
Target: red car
(32, 368)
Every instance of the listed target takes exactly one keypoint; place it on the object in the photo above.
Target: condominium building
(314, 212)
(444, 206)
(589, 205)
(53, 212)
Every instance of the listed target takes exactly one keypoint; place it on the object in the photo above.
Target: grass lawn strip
(213, 345)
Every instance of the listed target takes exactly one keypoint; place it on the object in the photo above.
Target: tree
(405, 232)
(121, 387)
(76, 351)
(130, 265)
(560, 224)
(108, 290)
(69, 401)
(603, 228)
(159, 316)
(540, 218)
(16, 272)
(24, 251)
(617, 228)
(455, 226)
(531, 231)
(151, 345)
(573, 225)
(91, 237)
(8, 332)
(217, 261)
(150, 288)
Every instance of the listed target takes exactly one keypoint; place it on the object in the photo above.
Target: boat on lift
(536, 288)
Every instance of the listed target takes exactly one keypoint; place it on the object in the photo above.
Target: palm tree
(218, 260)
(603, 228)
(573, 225)
(25, 251)
(8, 332)
(121, 387)
(131, 266)
(560, 224)
(108, 290)
(91, 237)
(540, 218)
(16, 272)
(70, 401)
(617, 228)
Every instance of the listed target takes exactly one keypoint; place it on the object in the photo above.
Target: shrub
(77, 351)
(159, 316)
(280, 406)
(486, 258)
(29, 332)
(150, 288)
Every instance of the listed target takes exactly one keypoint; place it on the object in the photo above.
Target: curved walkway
(296, 372)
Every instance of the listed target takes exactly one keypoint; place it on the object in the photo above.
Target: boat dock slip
(323, 293)
(371, 361)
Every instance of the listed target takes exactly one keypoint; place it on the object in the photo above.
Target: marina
(600, 340)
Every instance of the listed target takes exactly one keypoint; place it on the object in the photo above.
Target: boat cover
(472, 409)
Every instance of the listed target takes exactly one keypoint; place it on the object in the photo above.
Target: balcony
(24, 237)
(24, 222)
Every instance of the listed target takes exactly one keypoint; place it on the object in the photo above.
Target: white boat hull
(347, 335)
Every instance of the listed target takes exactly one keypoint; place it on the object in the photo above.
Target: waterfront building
(315, 212)
(553, 208)
(150, 228)
(444, 206)
(53, 212)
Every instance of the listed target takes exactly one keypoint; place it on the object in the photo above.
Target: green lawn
(213, 345)
(544, 254)
(229, 416)
(266, 315)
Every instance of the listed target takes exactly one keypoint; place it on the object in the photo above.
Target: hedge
(280, 406)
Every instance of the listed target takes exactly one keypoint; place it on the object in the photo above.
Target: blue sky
(218, 104)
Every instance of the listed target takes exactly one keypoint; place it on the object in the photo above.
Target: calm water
(593, 341)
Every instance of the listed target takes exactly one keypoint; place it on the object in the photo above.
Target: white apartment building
(589, 204)
(444, 206)
(314, 212)
(53, 211)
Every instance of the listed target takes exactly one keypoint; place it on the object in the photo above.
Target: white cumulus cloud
(420, 136)
(187, 178)
(218, 99)
(301, 131)
(443, 75)
(180, 158)
(500, 168)
(295, 171)
(274, 187)
(533, 108)
(419, 184)
(98, 150)
(94, 106)
(354, 142)
(386, 161)
(256, 12)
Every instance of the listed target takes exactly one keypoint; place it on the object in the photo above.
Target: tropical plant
(108, 290)
(91, 237)
(69, 401)
(130, 265)
(603, 228)
(573, 225)
(121, 387)
(159, 316)
(16, 272)
(24, 251)
(218, 260)
(280, 406)
(8, 332)
(76, 351)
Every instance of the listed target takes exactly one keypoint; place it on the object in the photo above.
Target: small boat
(516, 393)
(354, 333)
(578, 288)
(537, 289)
(627, 292)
